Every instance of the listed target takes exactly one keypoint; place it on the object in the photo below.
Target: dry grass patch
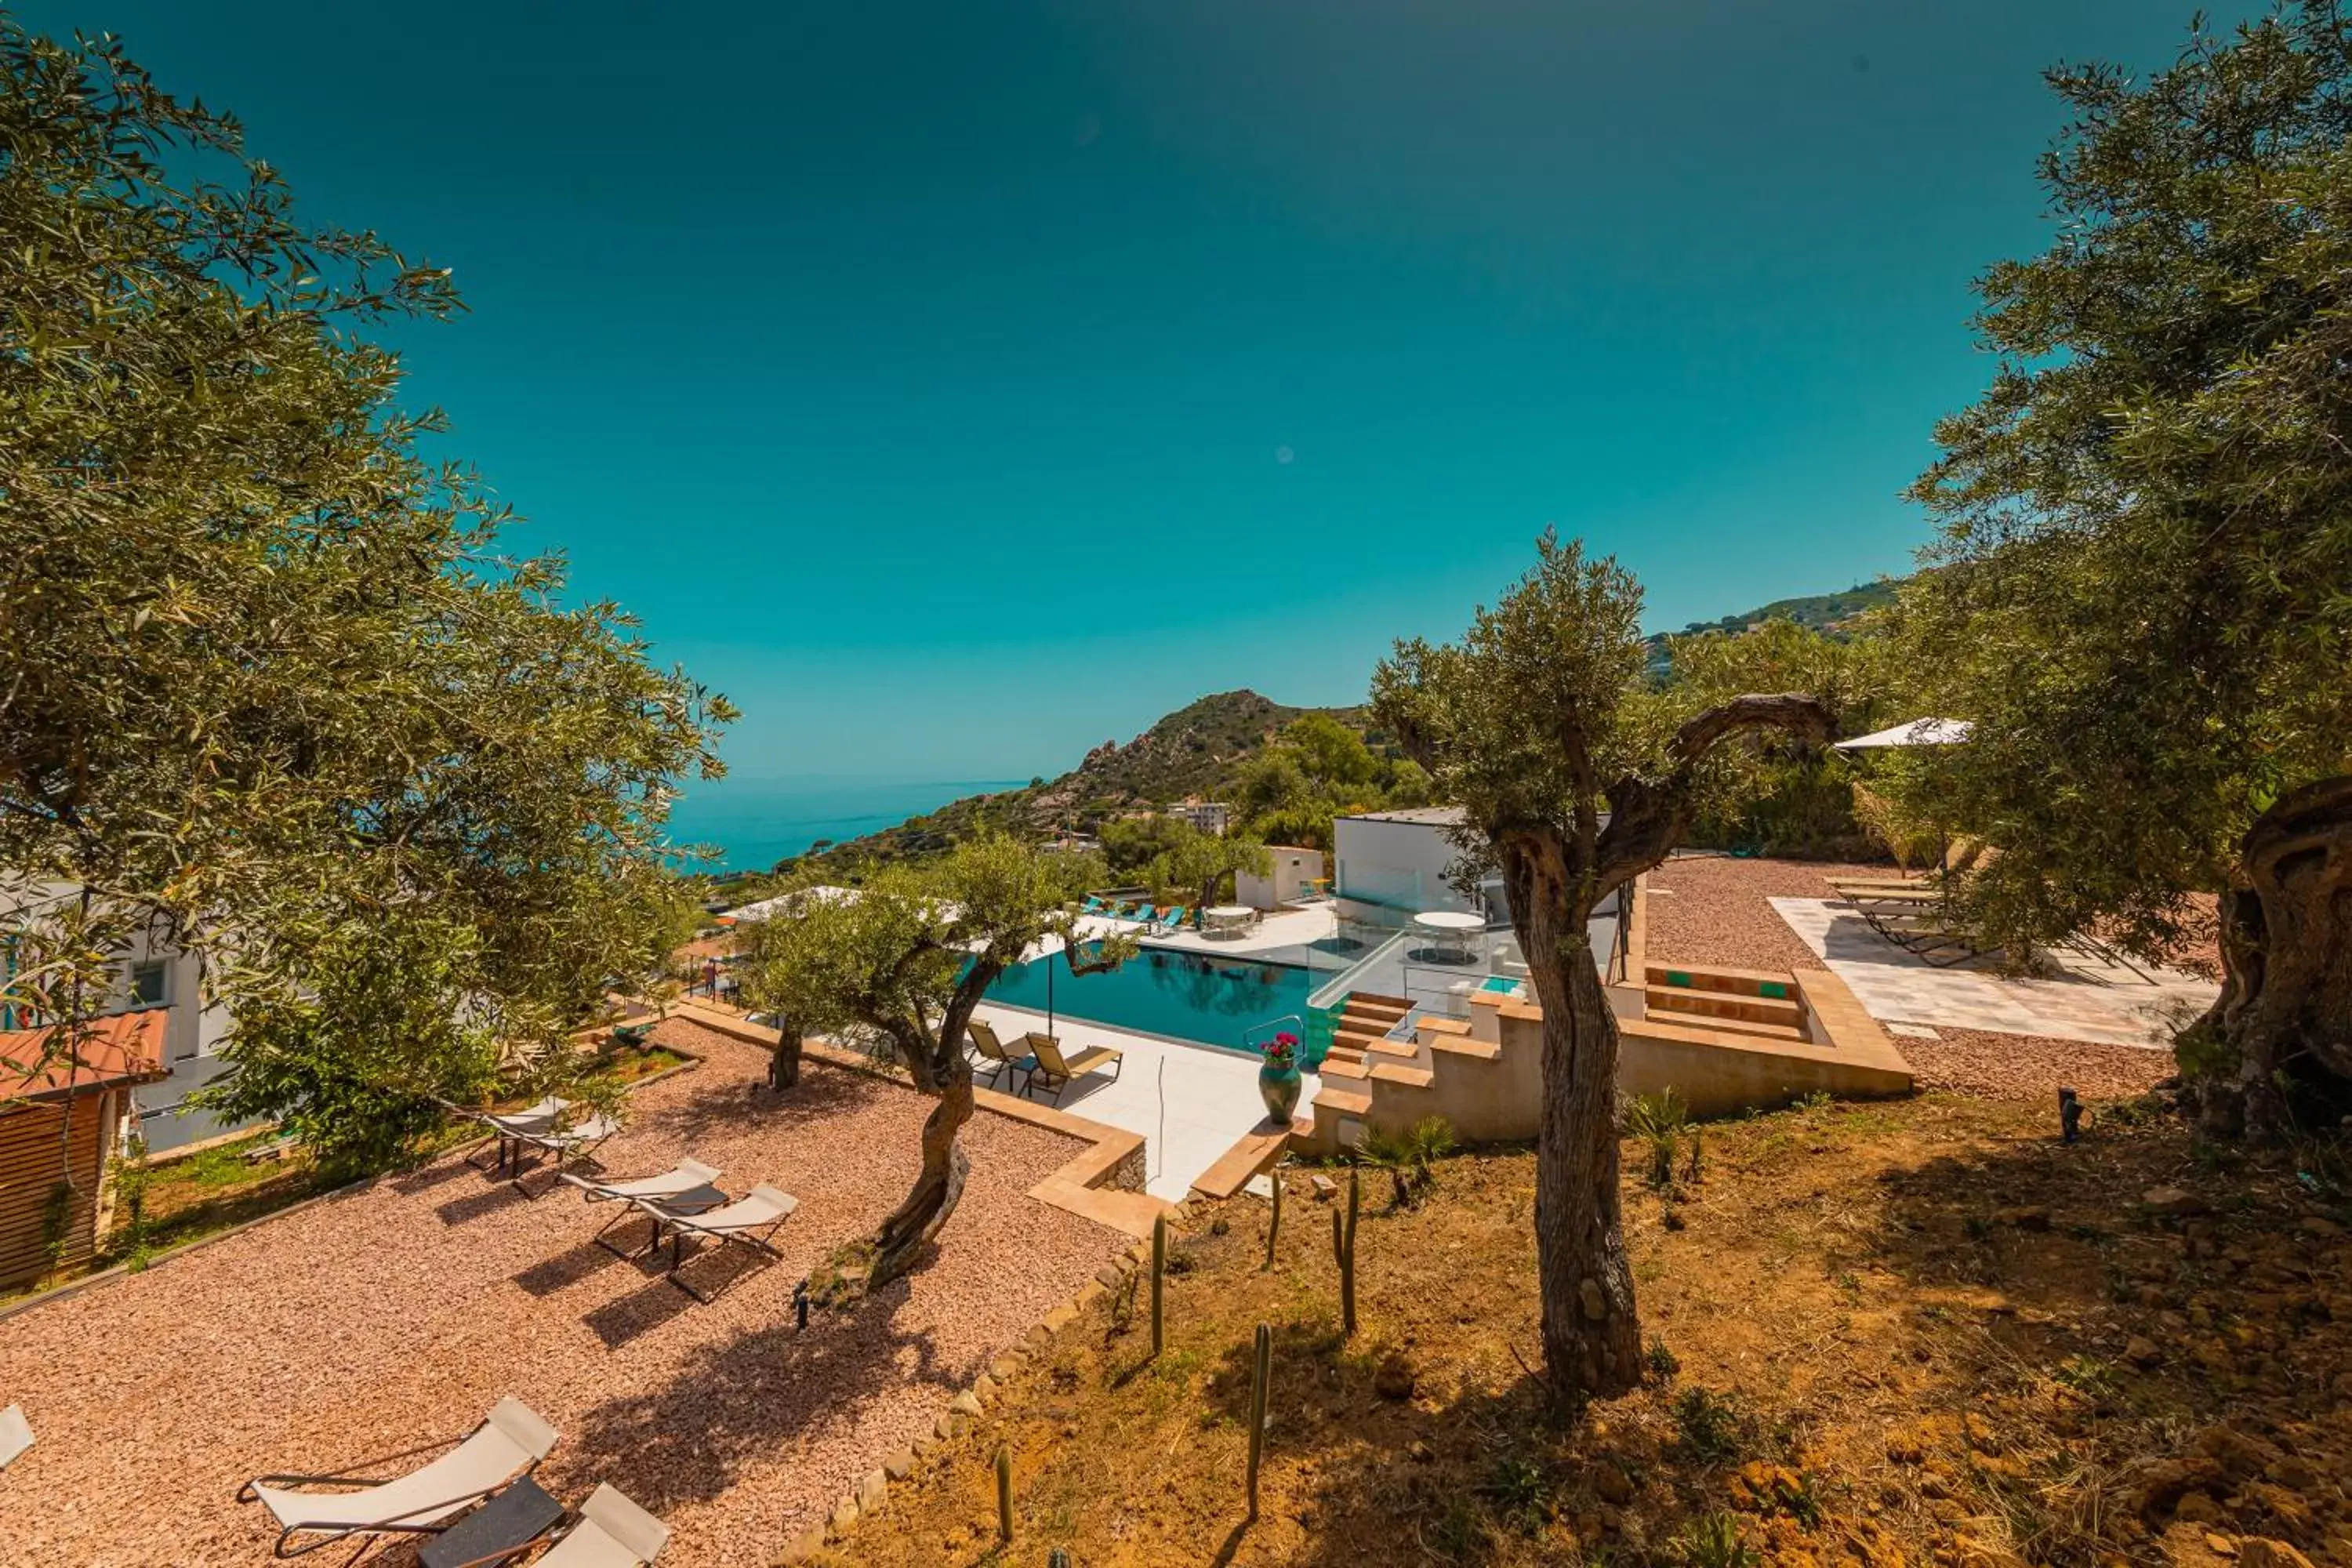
(1902, 1332)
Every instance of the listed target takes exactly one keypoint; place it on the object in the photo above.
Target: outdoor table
(1456, 923)
(497, 1530)
(1228, 916)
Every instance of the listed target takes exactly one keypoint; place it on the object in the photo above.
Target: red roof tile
(125, 1048)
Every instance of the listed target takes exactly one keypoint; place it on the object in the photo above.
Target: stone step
(1397, 1073)
(1745, 1029)
(1725, 1004)
(1713, 978)
(1341, 1102)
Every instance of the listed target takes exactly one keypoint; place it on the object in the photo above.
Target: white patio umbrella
(1919, 732)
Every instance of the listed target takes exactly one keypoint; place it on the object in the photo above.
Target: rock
(964, 1403)
(803, 1547)
(2198, 1508)
(2264, 1552)
(1220, 1226)
(1595, 1304)
(1323, 1186)
(872, 1488)
(845, 1514)
(2221, 1545)
(1394, 1379)
(1003, 1368)
(2177, 1202)
(1981, 1436)
(2156, 1485)
(2141, 1351)
(1612, 1485)
(2323, 1228)
(983, 1389)
(1906, 1446)
(901, 1464)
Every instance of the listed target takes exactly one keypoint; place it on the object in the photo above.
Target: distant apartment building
(1208, 816)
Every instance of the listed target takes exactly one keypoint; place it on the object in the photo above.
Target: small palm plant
(1660, 1120)
(1410, 1156)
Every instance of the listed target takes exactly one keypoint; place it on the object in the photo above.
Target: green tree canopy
(1197, 865)
(898, 966)
(2148, 524)
(271, 678)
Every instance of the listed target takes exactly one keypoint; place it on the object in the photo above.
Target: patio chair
(992, 1055)
(1056, 1072)
(508, 1444)
(504, 1127)
(1172, 919)
(750, 1221)
(612, 1532)
(690, 1187)
(16, 1435)
(1093, 906)
(580, 1141)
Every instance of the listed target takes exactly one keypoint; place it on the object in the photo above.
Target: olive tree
(270, 682)
(1197, 864)
(2146, 604)
(898, 965)
(1573, 782)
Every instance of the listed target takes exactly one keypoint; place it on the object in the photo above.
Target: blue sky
(958, 384)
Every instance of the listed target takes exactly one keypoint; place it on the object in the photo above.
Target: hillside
(1194, 752)
(1823, 611)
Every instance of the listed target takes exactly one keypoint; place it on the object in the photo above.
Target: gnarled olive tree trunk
(1592, 1331)
(2275, 1051)
(917, 1221)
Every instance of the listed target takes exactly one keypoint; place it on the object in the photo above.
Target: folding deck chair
(750, 1221)
(688, 1187)
(508, 1444)
(1056, 1072)
(16, 1435)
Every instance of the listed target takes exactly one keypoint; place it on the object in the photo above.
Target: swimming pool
(1207, 998)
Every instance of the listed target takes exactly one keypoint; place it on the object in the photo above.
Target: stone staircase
(1728, 1001)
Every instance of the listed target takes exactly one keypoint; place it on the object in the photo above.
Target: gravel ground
(398, 1315)
(1711, 908)
(1714, 911)
(2033, 1067)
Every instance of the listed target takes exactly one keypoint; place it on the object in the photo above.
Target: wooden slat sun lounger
(1056, 1072)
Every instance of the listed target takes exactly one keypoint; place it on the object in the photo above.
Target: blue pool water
(1207, 998)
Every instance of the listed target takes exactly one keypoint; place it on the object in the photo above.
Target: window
(150, 982)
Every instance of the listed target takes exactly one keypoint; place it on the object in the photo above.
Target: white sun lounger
(750, 1221)
(509, 1444)
(687, 1187)
(582, 1139)
(612, 1532)
(678, 1180)
(16, 1435)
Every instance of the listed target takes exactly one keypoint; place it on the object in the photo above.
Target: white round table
(1455, 924)
(1227, 917)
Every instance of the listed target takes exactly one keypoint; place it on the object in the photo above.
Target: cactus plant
(1262, 1374)
(1343, 1247)
(1004, 1492)
(1158, 1276)
(1273, 1226)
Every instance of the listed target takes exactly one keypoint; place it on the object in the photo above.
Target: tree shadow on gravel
(768, 1394)
(568, 1268)
(475, 1205)
(720, 1104)
(439, 1174)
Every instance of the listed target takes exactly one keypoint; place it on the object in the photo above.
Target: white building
(1292, 879)
(1389, 866)
(1208, 816)
(152, 972)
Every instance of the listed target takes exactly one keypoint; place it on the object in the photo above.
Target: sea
(754, 823)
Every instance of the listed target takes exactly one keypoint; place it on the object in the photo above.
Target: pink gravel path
(399, 1314)
(1712, 909)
